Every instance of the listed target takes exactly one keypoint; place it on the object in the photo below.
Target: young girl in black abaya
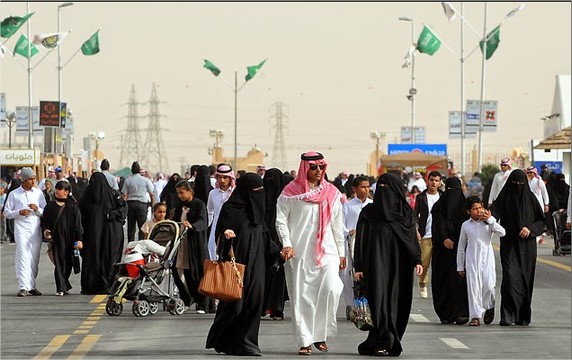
(61, 224)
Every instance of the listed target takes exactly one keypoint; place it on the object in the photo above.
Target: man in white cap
(26, 205)
(499, 180)
(225, 181)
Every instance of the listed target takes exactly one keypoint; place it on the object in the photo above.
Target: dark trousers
(189, 293)
(136, 216)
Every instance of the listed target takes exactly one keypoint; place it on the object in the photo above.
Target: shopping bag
(361, 313)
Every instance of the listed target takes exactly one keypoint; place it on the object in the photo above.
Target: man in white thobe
(351, 211)
(219, 195)
(310, 226)
(26, 205)
(499, 180)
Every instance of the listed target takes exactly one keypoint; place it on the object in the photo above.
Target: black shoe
(489, 316)
(504, 323)
(35, 292)
(461, 320)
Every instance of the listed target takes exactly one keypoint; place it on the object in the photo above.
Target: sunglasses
(315, 166)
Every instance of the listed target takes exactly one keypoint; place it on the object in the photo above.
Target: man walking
(26, 205)
(499, 180)
(423, 205)
(309, 223)
(137, 191)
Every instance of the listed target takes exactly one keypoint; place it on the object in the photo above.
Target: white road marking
(419, 318)
(454, 343)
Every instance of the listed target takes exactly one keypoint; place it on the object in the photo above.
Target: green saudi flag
(11, 24)
(493, 40)
(252, 70)
(91, 45)
(428, 42)
(212, 67)
(22, 47)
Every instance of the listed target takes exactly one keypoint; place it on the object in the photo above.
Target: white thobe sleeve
(210, 207)
(569, 208)
(461, 248)
(282, 215)
(337, 225)
(10, 212)
(544, 192)
(496, 228)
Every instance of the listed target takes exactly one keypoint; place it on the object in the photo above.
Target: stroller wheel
(112, 308)
(153, 307)
(179, 307)
(141, 308)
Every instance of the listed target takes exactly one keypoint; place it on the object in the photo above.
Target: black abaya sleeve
(360, 242)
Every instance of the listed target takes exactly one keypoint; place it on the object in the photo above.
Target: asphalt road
(76, 326)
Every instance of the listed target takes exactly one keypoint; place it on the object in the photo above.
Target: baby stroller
(145, 266)
(561, 234)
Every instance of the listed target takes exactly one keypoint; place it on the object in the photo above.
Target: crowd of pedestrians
(303, 239)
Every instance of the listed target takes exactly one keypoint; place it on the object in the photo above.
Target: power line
(156, 159)
(279, 149)
(130, 143)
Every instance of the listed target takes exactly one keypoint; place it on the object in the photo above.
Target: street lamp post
(53, 130)
(10, 121)
(377, 135)
(412, 90)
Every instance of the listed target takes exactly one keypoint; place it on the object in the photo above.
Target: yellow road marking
(97, 312)
(80, 332)
(547, 262)
(89, 322)
(555, 264)
(97, 299)
(93, 318)
(52, 347)
(83, 348)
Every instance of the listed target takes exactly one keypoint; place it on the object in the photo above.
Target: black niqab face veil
(389, 201)
(249, 195)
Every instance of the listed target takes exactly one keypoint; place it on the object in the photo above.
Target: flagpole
(463, 116)
(55, 130)
(30, 120)
(481, 111)
(235, 119)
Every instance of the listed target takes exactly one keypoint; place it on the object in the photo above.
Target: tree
(488, 171)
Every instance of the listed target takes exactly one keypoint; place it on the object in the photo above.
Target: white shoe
(201, 312)
(423, 292)
(60, 293)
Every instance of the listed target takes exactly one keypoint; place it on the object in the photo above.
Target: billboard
(49, 113)
(22, 120)
(419, 134)
(431, 149)
(490, 111)
(455, 127)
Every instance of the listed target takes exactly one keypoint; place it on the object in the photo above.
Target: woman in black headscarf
(169, 194)
(275, 293)
(202, 185)
(450, 298)
(103, 213)
(522, 217)
(241, 223)
(386, 252)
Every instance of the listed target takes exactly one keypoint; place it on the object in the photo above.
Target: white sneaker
(423, 292)
(201, 312)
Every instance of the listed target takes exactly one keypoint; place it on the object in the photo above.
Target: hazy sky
(337, 66)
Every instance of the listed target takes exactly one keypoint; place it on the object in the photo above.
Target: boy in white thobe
(476, 260)
(26, 205)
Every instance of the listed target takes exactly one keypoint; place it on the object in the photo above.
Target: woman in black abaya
(169, 194)
(275, 292)
(450, 298)
(522, 217)
(241, 223)
(103, 213)
(386, 252)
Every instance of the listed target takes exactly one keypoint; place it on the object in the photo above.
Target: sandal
(305, 350)
(475, 322)
(321, 346)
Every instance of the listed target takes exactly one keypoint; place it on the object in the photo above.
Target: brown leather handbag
(223, 280)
